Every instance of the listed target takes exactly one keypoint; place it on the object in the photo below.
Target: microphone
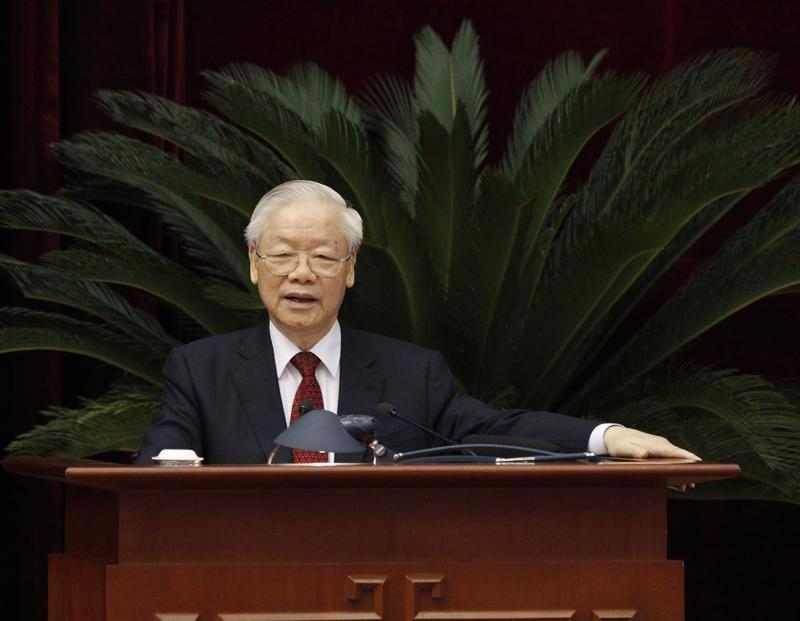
(362, 428)
(388, 410)
(365, 429)
(306, 405)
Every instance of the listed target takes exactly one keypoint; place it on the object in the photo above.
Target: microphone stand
(535, 455)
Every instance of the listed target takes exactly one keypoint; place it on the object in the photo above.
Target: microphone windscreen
(510, 442)
(361, 427)
(306, 405)
(385, 409)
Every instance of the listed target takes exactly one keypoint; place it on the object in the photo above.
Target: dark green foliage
(522, 272)
(114, 422)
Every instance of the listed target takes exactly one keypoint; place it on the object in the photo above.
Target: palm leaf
(234, 297)
(723, 416)
(446, 187)
(25, 210)
(397, 290)
(444, 78)
(268, 118)
(307, 90)
(554, 149)
(597, 336)
(392, 114)
(760, 259)
(109, 253)
(713, 173)
(352, 165)
(114, 422)
(539, 103)
(208, 231)
(37, 282)
(163, 279)
(23, 329)
(511, 284)
(716, 441)
(386, 296)
(483, 286)
(353, 168)
(673, 107)
(197, 132)
(767, 125)
(756, 417)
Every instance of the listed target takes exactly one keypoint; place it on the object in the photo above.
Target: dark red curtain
(55, 53)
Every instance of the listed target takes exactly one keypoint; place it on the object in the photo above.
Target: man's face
(302, 305)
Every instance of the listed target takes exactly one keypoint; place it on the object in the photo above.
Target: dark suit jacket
(222, 399)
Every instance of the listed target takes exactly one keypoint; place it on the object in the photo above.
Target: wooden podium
(366, 543)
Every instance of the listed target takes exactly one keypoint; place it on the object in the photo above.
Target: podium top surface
(124, 477)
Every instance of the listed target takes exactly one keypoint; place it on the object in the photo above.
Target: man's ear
(351, 271)
(251, 253)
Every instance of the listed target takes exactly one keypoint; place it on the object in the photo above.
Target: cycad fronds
(115, 422)
(539, 103)
(445, 79)
(23, 329)
(197, 132)
(674, 106)
(759, 260)
(352, 166)
(267, 117)
(393, 118)
(526, 273)
(108, 253)
(39, 282)
(446, 187)
(686, 183)
(29, 211)
(211, 234)
(163, 279)
(724, 416)
(307, 90)
(530, 222)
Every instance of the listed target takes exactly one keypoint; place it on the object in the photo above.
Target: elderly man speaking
(227, 397)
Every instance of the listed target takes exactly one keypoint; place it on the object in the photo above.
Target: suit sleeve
(456, 415)
(178, 423)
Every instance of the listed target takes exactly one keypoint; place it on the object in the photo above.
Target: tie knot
(306, 363)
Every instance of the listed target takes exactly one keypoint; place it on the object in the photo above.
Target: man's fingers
(687, 455)
(624, 442)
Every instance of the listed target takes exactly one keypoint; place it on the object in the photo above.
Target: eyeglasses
(287, 262)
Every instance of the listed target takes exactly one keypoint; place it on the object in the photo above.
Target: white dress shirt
(328, 349)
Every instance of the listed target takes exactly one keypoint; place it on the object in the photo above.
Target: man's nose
(302, 272)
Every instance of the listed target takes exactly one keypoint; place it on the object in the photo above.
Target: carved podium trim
(435, 584)
(613, 615)
(355, 587)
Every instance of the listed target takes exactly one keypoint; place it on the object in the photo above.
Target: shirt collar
(328, 349)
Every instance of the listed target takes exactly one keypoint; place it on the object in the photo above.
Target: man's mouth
(300, 298)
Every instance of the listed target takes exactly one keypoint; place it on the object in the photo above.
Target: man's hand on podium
(625, 442)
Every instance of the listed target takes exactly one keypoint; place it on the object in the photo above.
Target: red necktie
(309, 389)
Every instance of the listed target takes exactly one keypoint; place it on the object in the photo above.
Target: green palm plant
(525, 273)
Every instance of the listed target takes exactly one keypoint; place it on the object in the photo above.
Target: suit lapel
(255, 379)
(256, 382)
(360, 384)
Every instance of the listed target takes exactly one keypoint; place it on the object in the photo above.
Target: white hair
(303, 190)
